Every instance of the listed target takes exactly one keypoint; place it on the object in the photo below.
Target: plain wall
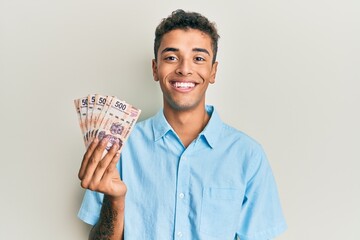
(288, 76)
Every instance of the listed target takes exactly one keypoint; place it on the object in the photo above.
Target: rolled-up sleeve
(91, 206)
(261, 217)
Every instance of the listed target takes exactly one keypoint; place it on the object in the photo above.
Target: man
(183, 174)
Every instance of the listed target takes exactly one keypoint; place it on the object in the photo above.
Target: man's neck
(187, 124)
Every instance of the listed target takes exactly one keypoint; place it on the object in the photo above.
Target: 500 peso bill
(105, 116)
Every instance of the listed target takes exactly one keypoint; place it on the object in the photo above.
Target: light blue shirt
(220, 187)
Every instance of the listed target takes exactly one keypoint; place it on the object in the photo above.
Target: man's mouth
(183, 85)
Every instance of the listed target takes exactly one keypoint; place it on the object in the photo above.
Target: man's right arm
(99, 173)
(111, 222)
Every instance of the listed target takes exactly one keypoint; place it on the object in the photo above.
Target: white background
(288, 76)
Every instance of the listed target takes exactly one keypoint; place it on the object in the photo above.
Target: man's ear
(154, 70)
(213, 72)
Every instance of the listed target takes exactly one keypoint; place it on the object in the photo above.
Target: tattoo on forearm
(107, 219)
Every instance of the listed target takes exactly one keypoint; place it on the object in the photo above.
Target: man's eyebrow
(201, 50)
(169, 49)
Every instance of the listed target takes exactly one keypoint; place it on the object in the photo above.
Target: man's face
(184, 68)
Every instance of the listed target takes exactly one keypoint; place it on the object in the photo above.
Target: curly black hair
(180, 19)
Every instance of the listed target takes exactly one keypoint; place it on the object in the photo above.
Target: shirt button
(181, 195)
(184, 158)
(179, 234)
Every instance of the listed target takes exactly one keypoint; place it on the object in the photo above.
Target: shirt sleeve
(261, 217)
(91, 206)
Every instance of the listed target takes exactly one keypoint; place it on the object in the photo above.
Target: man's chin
(183, 107)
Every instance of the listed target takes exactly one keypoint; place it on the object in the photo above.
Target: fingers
(111, 168)
(86, 158)
(92, 158)
(114, 161)
(106, 165)
(96, 164)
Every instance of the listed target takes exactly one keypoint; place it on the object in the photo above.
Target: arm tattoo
(107, 218)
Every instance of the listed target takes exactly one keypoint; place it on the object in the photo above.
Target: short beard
(180, 107)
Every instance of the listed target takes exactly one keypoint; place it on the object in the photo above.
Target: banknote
(83, 102)
(99, 104)
(116, 123)
(90, 109)
(77, 107)
(102, 116)
(103, 111)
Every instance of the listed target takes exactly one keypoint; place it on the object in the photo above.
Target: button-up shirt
(220, 187)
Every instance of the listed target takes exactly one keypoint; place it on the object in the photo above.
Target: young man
(183, 174)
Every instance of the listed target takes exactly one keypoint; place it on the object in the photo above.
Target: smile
(183, 85)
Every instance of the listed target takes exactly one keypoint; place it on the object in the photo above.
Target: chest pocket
(220, 211)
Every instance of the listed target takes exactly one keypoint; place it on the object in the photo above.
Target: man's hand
(99, 173)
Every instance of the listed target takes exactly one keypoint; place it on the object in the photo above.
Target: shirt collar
(211, 132)
(160, 125)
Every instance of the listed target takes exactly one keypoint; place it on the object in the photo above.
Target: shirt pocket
(220, 211)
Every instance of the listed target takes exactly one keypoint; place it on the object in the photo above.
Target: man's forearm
(111, 223)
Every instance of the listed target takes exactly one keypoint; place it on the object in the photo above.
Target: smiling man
(184, 67)
(183, 174)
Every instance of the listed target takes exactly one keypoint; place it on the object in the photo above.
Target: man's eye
(170, 58)
(199, 59)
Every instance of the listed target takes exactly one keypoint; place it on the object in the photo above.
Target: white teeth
(184, 84)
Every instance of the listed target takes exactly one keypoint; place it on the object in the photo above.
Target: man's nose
(184, 68)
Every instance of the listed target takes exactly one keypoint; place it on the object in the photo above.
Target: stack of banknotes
(105, 116)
